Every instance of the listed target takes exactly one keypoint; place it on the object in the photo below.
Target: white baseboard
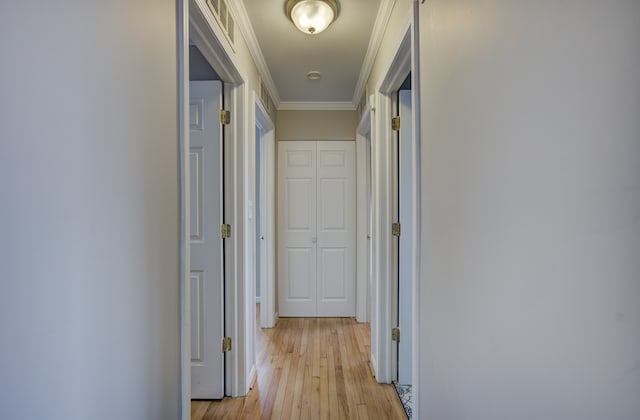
(252, 376)
(374, 366)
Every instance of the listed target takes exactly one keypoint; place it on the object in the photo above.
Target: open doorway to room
(206, 298)
(201, 37)
(265, 215)
(364, 205)
(405, 204)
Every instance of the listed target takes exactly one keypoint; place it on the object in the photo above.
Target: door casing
(267, 234)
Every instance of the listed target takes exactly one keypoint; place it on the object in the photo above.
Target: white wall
(530, 293)
(89, 305)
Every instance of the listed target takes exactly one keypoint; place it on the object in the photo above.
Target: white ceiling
(343, 53)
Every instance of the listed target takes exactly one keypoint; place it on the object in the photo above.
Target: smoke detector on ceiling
(314, 75)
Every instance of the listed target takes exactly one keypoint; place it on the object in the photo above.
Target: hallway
(310, 368)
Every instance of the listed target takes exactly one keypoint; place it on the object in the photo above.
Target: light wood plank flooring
(310, 368)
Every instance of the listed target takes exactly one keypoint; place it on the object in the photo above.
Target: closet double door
(316, 228)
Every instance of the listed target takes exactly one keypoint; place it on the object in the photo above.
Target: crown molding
(316, 106)
(242, 19)
(382, 19)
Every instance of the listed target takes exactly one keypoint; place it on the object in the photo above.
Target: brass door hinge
(225, 231)
(395, 334)
(395, 123)
(225, 117)
(226, 344)
(395, 229)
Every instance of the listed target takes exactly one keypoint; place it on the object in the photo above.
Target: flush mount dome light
(312, 16)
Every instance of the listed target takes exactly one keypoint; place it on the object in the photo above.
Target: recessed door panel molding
(299, 202)
(197, 204)
(333, 200)
(196, 106)
(332, 269)
(332, 158)
(316, 202)
(301, 266)
(300, 158)
(197, 317)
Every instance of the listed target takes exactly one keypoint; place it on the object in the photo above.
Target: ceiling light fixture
(312, 16)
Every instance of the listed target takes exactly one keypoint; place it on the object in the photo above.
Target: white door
(316, 228)
(405, 211)
(207, 310)
(297, 228)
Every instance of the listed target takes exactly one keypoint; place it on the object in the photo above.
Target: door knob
(314, 239)
(262, 238)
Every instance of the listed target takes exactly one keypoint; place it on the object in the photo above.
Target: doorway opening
(196, 31)
(364, 204)
(265, 215)
(206, 183)
(405, 203)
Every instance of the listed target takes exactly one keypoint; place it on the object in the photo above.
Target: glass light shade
(312, 16)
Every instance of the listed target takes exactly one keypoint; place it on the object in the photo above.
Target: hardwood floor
(310, 368)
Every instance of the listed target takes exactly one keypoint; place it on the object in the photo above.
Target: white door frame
(401, 64)
(407, 212)
(197, 24)
(267, 213)
(363, 157)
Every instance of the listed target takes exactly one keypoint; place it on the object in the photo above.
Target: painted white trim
(362, 230)
(267, 167)
(379, 27)
(382, 238)
(316, 106)
(235, 282)
(184, 211)
(212, 42)
(214, 46)
(399, 65)
(253, 374)
(397, 69)
(239, 11)
(374, 365)
(242, 19)
(415, 87)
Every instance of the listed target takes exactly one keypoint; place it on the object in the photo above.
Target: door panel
(300, 266)
(299, 206)
(336, 228)
(316, 228)
(206, 298)
(332, 272)
(297, 225)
